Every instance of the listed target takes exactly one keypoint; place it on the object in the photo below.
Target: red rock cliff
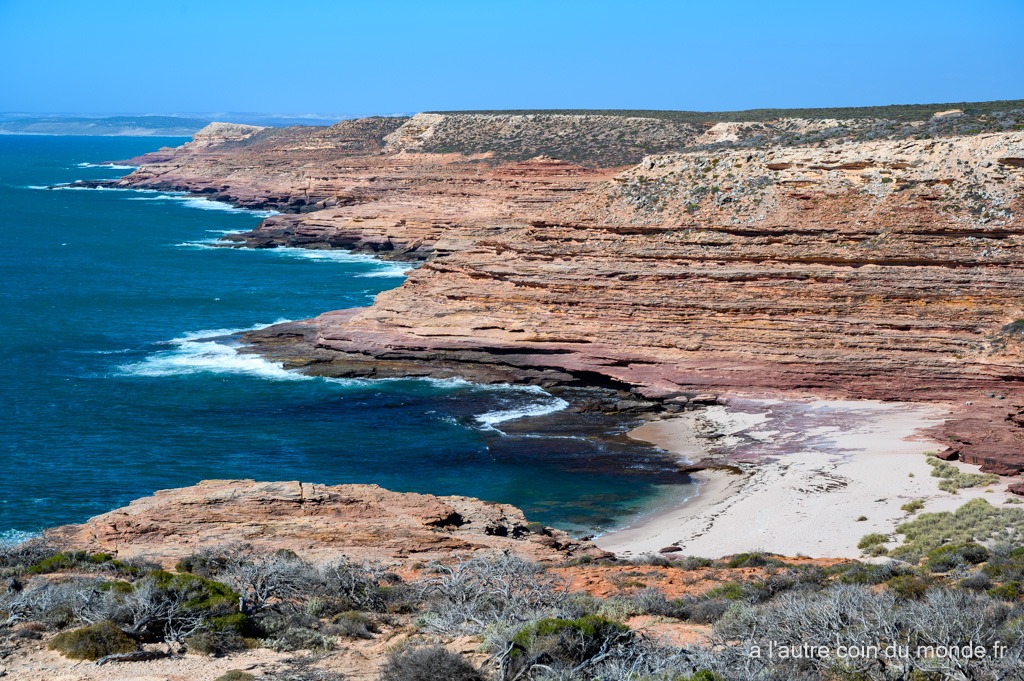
(794, 255)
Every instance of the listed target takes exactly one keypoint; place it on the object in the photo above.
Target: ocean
(119, 373)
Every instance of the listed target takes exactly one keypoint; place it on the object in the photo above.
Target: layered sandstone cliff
(864, 258)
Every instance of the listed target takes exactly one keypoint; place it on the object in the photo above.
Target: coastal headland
(666, 262)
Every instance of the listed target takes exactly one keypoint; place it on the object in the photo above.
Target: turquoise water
(119, 375)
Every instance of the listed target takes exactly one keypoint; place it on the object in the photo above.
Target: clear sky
(377, 56)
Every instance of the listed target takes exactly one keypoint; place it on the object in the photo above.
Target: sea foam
(546, 404)
(15, 537)
(207, 352)
(382, 268)
(203, 203)
(112, 166)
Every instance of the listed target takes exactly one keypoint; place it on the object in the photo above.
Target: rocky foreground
(358, 522)
(853, 257)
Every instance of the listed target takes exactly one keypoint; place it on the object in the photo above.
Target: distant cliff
(877, 255)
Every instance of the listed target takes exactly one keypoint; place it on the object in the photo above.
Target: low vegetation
(624, 137)
(954, 479)
(525, 623)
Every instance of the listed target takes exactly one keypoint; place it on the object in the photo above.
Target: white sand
(824, 463)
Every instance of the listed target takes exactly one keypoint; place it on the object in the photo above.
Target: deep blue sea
(118, 375)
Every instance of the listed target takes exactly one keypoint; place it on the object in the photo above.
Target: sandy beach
(797, 477)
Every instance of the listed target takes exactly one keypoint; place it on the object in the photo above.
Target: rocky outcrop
(850, 265)
(217, 134)
(360, 522)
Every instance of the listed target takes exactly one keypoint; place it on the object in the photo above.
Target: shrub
(708, 610)
(871, 540)
(755, 559)
(354, 625)
(235, 675)
(67, 560)
(954, 479)
(93, 642)
(1005, 565)
(951, 556)
(215, 644)
(738, 591)
(204, 563)
(300, 638)
(557, 642)
(870, 574)
(654, 602)
(913, 506)
(909, 587)
(1010, 591)
(693, 562)
(975, 581)
(16, 559)
(976, 521)
(427, 663)
(471, 595)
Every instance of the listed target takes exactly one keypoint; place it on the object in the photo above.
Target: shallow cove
(119, 377)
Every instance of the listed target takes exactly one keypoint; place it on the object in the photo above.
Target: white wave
(550, 405)
(390, 270)
(325, 255)
(200, 243)
(167, 196)
(99, 189)
(383, 268)
(203, 203)
(207, 334)
(197, 352)
(208, 204)
(190, 357)
(112, 166)
(14, 537)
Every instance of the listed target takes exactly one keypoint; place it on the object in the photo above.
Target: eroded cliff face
(848, 258)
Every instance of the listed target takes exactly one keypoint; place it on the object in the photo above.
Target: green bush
(951, 556)
(68, 560)
(871, 540)
(205, 594)
(868, 574)
(737, 591)
(954, 479)
(754, 559)
(93, 642)
(976, 521)
(1010, 591)
(704, 675)
(561, 642)
(913, 506)
(910, 587)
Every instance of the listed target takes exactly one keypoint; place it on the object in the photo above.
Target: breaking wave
(207, 352)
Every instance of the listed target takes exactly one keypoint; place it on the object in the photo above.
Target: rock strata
(854, 258)
(360, 522)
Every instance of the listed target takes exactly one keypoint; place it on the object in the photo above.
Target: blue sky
(388, 57)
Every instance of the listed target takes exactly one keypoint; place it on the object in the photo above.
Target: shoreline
(796, 477)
